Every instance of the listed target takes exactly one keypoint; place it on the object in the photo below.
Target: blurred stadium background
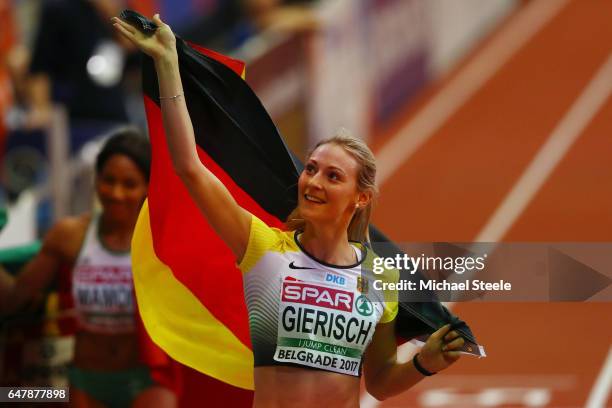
(490, 120)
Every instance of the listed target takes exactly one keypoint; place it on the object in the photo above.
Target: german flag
(188, 287)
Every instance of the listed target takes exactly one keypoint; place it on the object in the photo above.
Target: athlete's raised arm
(229, 220)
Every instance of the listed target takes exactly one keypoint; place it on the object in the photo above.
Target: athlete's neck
(327, 243)
(116, 234)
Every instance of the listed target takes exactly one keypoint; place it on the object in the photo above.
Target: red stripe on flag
(199, 390)
(183, 239)
(235, 65)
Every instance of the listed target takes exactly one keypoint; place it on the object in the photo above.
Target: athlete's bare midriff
(96, 351)
(105, 352)
(283, 386)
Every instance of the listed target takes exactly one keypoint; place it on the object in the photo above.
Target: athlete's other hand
(159, 45)
(440, 350)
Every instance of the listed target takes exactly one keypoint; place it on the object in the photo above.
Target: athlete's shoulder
(274, 238)
(67, 235)
(68, 225)
(264, 239)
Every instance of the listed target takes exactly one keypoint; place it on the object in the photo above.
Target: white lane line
(563, 136)
(397, 151)
(601, 390)
(567, 131)
(368, 401)
(550, 154)
(558, 382)
(470, 79)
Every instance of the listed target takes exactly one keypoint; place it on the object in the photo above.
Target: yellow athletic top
(306, 312)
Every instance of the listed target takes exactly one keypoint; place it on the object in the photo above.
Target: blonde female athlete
(312, 320)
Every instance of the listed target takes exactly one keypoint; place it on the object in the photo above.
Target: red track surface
(456, 180)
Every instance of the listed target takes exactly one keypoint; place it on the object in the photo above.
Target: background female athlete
(106, 371)
(335, 193)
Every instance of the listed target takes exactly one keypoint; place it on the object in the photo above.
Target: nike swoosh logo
(292, 266)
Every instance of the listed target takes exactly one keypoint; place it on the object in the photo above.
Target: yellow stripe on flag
(178, 322)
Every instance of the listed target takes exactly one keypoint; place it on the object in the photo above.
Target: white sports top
(102, 286)
(305, 312)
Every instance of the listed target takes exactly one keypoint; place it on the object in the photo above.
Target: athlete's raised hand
(158, 45)
(440, 350)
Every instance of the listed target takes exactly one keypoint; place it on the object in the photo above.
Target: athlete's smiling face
(327, 187)
(121, 188)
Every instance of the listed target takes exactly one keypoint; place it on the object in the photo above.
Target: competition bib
(103, 298)
(324, 322)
